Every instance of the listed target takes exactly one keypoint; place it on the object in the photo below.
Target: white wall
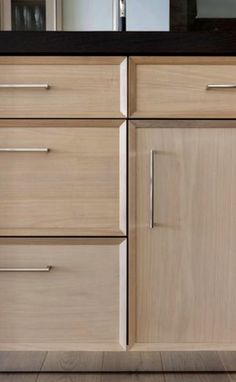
(97, 15)
(148, 15)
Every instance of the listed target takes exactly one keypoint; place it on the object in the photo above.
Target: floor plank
(18, 377)
(69, 378)
(228, 360)
(117, 362)
(21, 361)
(72, 377)
(192, 362)
(102, 362)
(133, 378)
(207, 377)
(101, 378)
(132, 362)
(73, 362)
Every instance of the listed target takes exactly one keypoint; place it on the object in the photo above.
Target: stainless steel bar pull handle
(24, 150)
(152, 188)
(25, 86)
(220, 86)
(48, 268)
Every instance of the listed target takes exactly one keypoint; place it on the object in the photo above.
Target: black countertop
(117, 43)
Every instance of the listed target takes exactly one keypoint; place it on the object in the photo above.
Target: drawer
(59, 294)
(57, 87)
(178, 87)
(62, 178)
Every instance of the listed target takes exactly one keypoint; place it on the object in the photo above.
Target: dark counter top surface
(117, 43)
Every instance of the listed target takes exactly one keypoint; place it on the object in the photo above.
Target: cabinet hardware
(25, 86)
(221, 86)
(24, 150)
(152, 188)
(43, 269)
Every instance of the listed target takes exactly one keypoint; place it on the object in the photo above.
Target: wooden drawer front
(76, 188)
(79, 304)
(177, 87)
(78, 87)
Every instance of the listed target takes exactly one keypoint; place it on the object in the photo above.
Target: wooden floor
(118, 377)
(133, 362)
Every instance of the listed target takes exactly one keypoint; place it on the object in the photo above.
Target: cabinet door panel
(186, 263)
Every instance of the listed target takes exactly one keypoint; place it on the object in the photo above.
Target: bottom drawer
(62, 294)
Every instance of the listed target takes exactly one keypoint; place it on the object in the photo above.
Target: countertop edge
(118, 43)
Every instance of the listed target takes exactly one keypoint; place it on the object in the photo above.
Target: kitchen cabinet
(74, 192)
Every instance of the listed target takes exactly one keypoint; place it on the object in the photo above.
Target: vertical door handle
(152, 188)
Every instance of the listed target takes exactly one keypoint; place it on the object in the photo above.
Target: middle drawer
(62, 178)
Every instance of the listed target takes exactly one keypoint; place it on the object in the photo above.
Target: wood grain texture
(78, 188)
(75, 306)
(101, 378)
(74, 362)
(70, 378)
(209, 377)
(79, 87)
(119, 377)
(21, 361)
(132, 234)
(102, 362)
(133, 378)
(185, 266)
(99, 362)
(176, 87)
(18, 377)
(132, 362)
(229, 360)
(175, 362)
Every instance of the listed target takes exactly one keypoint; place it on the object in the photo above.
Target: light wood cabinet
(63, 209)
(63, 87)
(62, 178)
(80, 304)
(182, 87)
(183, 235)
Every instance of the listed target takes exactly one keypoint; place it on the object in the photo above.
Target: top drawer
(178, 87)
(57, 87)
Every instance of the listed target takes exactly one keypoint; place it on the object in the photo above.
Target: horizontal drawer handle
(43, 269)
(24, 150)
(25, 86)
(221, 86)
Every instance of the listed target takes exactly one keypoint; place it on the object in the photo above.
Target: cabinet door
(186, 235)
